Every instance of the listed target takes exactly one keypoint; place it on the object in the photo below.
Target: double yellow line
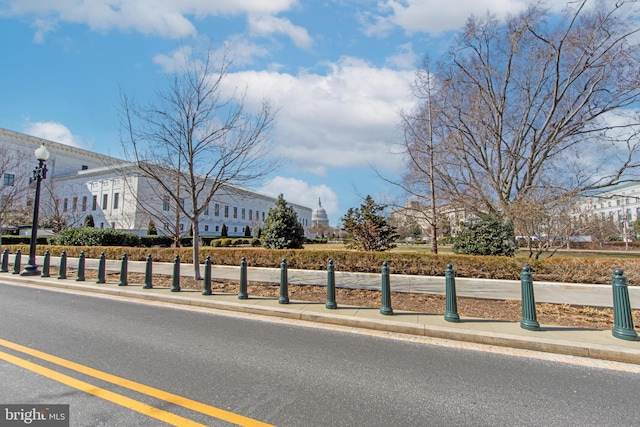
(119, 399)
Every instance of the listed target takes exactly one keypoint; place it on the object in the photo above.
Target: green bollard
(622, 318)
(5, 261)
(62, 271)
(102, 266)
(124, 270)
(385, 308)
(148, 273)
(175, 282)
(206, 290)
(81, 262)
(46, 264)
(284, 283)
(331, 286)
(529, 320)
(242, 292)
(451, 312)
(17, 261)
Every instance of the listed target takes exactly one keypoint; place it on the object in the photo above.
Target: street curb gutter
(569, 348)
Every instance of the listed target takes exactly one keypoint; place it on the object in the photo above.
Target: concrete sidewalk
(552, 339)
(551, 292)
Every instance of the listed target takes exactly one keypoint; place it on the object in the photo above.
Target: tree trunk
(196, 249)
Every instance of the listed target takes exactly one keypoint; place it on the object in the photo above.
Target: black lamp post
(39, 173)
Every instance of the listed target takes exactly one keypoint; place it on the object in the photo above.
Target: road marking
(123, 382)
(116, 398)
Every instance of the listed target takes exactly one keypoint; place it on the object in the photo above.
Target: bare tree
(194, 141)
(539, 102)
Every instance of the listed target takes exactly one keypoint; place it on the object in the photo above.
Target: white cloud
(53, 131)
(167, 18)
(344, 119)
(434, 16)
(300, 192)
(265, 25)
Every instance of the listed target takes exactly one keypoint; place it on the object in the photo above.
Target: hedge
(568, 270)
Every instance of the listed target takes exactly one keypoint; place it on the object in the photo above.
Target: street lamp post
(39, 173)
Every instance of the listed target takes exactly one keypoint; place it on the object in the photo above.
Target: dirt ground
(547, 314)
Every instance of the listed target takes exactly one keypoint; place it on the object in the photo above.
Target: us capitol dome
(319, 216)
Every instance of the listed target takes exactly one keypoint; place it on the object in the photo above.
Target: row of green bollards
(623, 320)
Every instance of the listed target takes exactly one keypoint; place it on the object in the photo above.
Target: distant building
(81, 182)
(319, 221)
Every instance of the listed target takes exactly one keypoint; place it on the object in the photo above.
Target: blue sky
(338, 70)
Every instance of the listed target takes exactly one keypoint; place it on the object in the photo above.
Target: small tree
(282, 230)
(151, 229)
(366, 229)
(89, 221)
(224, 232)
(247, 231)
(489, 235)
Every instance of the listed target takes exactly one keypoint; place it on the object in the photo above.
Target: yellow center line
(119, 399)
(140, 388)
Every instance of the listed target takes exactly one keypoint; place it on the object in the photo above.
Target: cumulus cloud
(166, 18)
(433, 16)
(265, 25)
(54, 131)
(343, 118)
(301, 192)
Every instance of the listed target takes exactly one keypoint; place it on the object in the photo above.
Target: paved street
(285, 375)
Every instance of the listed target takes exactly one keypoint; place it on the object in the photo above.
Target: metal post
(5, 261)
(331, 286)
(175, 282)
(529, 320)
(124, 270)
(242, 292)
(284, 283)
(451, 313)
(101, 268)
(39, 173)
(81, 262)
(622, 318)
(17, 261)
(385, 308)
(207, 277)
(148, 273)
(46, 264)
(62, 271)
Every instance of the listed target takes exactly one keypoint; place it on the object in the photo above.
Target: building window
(206, 209)
(206, 228)
(217, 228)
(84, 203)
(65, 205)
(116, 199)
(102, 225)
(165, 203)
(105, 199)
(235, 229)
(181, 227)
(235, 212)
(216, 209)
(182, 203)
(85, 167)
(263, 215)
(226, 211)
(250, 214)
(74, 204)
(242, 213)
(94, 203)
(9, 179)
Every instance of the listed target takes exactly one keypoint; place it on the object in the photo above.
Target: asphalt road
(280, 374)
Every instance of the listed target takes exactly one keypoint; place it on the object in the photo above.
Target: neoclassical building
(81, 182)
